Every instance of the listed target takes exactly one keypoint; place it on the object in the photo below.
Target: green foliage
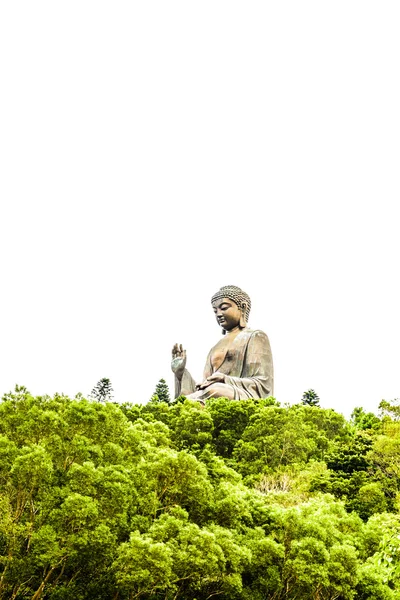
(102, 391)
(310, 398)
(191, 426)
(161, 393)
(390, 409)
(276, 437)
(231, 419)
(108, 502)
(363, 420)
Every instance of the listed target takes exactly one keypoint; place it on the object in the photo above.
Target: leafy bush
(100, 501)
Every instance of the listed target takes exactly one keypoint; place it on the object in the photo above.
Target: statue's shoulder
(249, 333)
(255, 337)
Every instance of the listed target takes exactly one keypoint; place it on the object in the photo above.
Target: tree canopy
(240, 500)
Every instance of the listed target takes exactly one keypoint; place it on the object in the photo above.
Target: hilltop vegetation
(167, 501)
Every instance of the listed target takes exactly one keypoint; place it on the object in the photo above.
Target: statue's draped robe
(246, 364)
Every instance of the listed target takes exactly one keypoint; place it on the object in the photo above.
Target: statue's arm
(184, 382)
(184, 386)
(188, 385)
(257, 377)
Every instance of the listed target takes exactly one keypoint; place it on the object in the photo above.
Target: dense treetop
(168, 501)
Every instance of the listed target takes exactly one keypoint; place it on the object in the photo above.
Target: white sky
(152, 152)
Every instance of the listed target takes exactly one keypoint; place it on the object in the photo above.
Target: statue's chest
(228, 356)
(218, 357)
(222, 353)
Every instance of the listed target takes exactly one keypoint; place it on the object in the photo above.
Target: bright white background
(152, 152)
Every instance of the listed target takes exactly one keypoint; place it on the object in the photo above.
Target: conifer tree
(102, 391)
(162, 392)
(310, 398)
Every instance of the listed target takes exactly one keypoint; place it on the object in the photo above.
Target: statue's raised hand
(178, 363)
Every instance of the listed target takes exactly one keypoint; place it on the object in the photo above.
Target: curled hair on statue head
(239, 297)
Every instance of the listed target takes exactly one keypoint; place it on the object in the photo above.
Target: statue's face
(227, 313)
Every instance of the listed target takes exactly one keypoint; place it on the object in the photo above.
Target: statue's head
(232, 307)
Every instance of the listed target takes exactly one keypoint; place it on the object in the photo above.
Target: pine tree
(102, 391)
(161, 393)
(310, 398)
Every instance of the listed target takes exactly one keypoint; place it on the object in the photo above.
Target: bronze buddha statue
(239, 366)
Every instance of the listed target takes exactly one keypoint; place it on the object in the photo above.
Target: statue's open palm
(178, 363)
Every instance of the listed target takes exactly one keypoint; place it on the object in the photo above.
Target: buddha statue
(239, 366)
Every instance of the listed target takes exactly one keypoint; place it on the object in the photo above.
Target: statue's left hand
(214, 378)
